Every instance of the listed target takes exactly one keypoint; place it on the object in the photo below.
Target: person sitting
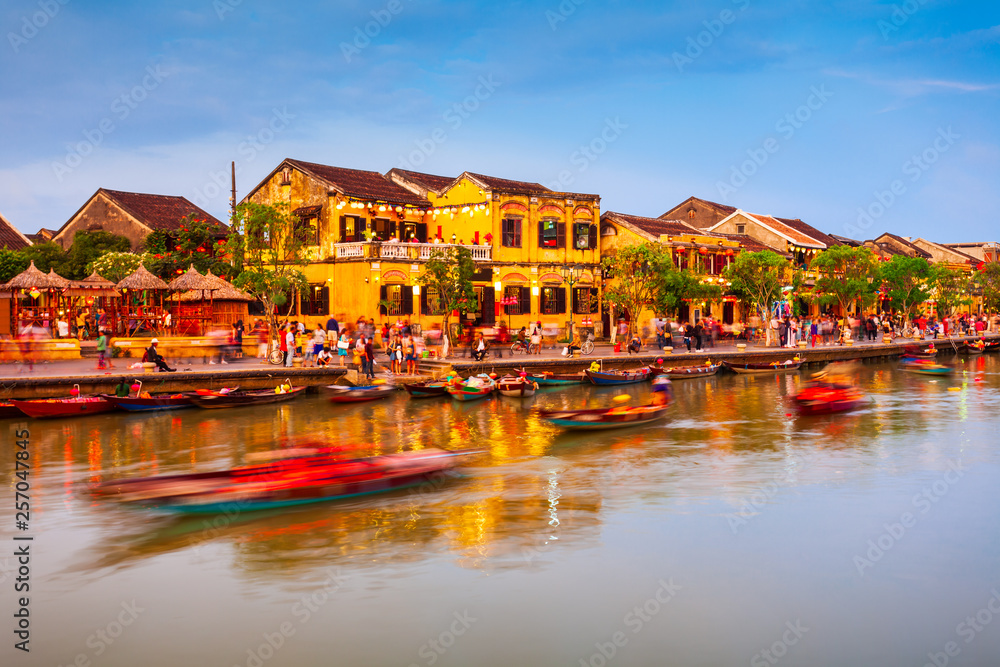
(480, 347)
(323, 357)
(574, 345)
(122, 389)
(635, 345)
(153, 356)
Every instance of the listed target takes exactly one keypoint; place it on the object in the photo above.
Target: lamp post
(571, 274)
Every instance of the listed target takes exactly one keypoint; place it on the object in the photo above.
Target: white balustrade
(480, 253)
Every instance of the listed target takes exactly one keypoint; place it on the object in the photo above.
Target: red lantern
(135, 387)
(729, 252)
(703, 250)
(75, 391)
(682, 250)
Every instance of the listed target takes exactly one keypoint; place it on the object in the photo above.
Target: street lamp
(571, 274)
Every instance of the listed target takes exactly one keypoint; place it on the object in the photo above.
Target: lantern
(34, 293)
(682, 249)
(135, 387)
(75, 391)
(729, 252)
(703, 250)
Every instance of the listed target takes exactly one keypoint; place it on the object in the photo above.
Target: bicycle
(518, 346)
(276, 357)
(588, 345)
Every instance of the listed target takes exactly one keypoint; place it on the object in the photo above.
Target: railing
(406, 251)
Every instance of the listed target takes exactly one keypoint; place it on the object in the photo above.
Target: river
(732, 534)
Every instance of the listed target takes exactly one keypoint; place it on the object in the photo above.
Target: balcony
(404, 251)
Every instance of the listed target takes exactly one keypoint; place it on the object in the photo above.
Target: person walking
(369, 359)
(103, 359)
(343, 345)
(289, 345)
(699, 331)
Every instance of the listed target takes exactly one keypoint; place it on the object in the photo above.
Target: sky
(858, 117)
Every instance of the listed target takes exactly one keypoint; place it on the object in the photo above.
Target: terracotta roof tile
(657, 226)
(727, 210)
(809, 231)
(428, 181)
(751, 244)
(513, 187)
(10, 237)
(791, 232)
(369, 185)
(159, 211)
(915, 249)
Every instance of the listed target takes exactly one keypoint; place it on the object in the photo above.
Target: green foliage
(88, 246)
(757, 278)
(907, 281)
(46, 256)
(265, 248)
(987, 281)
(196, 242)
(674, 287)
(845, 275)
(952, 289)
(448, 272)
(115, 266)
(635, 285)
(12, 262)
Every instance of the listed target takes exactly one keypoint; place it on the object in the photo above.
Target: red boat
(8, 410)
(339, 394)
(824, 398)
(52, 408)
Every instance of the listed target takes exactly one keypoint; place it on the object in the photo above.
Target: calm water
(733, 529)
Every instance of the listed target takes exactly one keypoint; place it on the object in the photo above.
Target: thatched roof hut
(141, 279)
(30, 277)
(92, 285)
(55, 280)
(192, 280)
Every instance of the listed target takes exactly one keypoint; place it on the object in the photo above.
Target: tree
(12, 262)
(265, 247)
(88, 246)
(987, 280)
(46, 256)
(674, 287)
(634, 286)
(194, 242)
(448, 274)
(952, 288)
(114, 266)
(907, 281)
(758, 278)
(845, 275)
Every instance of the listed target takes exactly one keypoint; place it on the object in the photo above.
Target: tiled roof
(843, 240)
(727, 210)
(159, 211)
(915, 249)
(505, 185)
(11, 238)
(656, 226)
(809, 231)
(792, 232)
(427, 181)
(369, 185)
(751, 244)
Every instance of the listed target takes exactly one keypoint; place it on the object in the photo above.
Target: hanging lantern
(729, 252)
(75, 391)
(703, 250)
(34, 293)
(682, 249)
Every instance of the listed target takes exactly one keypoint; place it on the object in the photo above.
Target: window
(315, 300)
(585, 300)
(352, 229)
(286, 176)
(553, 300)
(608, 230)
(430, 301)
(551, 234)
(396, 300)
(384, 229)
(523, 297)
(581, 236)
(511, 232)
(307, 230)
(741, 229)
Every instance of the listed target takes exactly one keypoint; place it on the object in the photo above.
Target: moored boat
(296, 481)
(991, 345)
(683, 372)
(54, 408)
(761, 369)
(236, 399)
(557, 379)
(926, 367)
(427, 389)
(607, 378)
(920, 351)
(339, 394)
(152, 403)
(8, 410)
(824, 398)
(604, 418)
(516, 387)
(474, 388)
(975, 347)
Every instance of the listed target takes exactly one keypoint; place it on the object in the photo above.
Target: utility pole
(232, 198)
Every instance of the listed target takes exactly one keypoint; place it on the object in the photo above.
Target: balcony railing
(405, 251)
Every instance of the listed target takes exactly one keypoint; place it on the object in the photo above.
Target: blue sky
(858, 117)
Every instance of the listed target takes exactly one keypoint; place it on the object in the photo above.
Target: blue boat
(607, 378)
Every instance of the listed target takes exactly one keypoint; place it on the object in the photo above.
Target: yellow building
(537, 249)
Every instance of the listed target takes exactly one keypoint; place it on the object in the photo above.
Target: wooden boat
(604, 418)
(54, 408)
(217, 392)
(761, 369)
(339, 394)
(975, 347)
(152, 403)
(426, 389)
(238, 399)
(606, 378)
(824, 398)
(294, 481)
(557, 379)
(516, 387)
(683, 372)
(992, 346)
(919, 351)
(926, 367)
(8, 410)
(476, 387)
